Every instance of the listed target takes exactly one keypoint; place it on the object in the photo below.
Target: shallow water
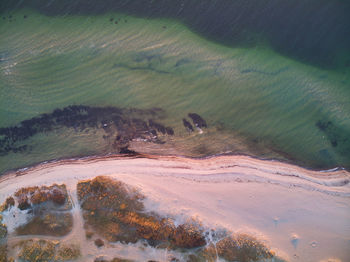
(254, 100)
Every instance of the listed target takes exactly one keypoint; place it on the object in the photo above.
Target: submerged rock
(188, 125)
(129, 123)
(126, 150)
(337, 135)
(198, 121)
(157, 126)
(169, 131)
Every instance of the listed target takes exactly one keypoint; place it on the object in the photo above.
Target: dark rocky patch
(198, 121)
(99, 242)
(111, 19)
(329, 129)
(126, 150)
(188, 125)
(338, 136)
(140, 124)
(25, 16)
(157, 126)
(116, 22)
(153, 132)
(323, 125)
(127, 123)
(169, 131)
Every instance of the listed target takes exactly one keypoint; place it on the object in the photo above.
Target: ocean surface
(80, 78)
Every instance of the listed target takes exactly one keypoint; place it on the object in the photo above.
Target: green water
(255, 101)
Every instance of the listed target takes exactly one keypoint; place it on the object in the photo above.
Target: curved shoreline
(333, 181)
(287, 162)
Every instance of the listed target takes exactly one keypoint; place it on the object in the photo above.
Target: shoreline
(64, 160)
(332, 178)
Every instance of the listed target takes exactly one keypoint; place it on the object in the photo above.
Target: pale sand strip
(303, 214)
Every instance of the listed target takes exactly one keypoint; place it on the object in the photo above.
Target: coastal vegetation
(48, 224)
(3, 241)
(54, 197)
(45, 251)
(116, 259)
(48, 209)
(115, 211)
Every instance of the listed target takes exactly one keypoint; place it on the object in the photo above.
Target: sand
(301, 214)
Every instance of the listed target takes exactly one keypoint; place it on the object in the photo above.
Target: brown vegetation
(56, 195)
(43, 250)
(48, 204)
(37, 251)
(240, 247)
(116, 259)
(3, 230)
(9, 202)
(23, 202)
(116, 212)
(67, 253)
(3, 253)
(51, 224)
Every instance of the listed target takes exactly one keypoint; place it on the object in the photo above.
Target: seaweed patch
(125, 124)
(338, 137)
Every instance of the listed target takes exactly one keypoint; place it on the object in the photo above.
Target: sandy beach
(303, 215)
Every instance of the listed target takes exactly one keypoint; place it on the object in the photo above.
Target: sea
(269, 79)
